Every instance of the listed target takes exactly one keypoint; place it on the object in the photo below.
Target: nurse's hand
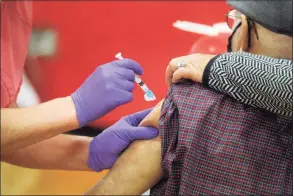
(195, 66)
(105, 148)
(108, 87)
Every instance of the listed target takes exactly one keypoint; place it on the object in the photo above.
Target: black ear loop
(229, 46)
(251, 24)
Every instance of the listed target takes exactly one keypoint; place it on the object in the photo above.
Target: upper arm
(138, 168)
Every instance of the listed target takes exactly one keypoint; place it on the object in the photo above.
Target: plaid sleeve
(213, 145)
(169, 120)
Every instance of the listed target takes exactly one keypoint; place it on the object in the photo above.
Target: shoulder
(193, 101)
(196, 96)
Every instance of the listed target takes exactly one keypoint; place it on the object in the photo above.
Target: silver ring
(181, 64)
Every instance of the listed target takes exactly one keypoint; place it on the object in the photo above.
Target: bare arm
(62, 152)
(21, 127)
(137, 169)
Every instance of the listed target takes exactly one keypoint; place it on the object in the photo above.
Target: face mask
(229, 46)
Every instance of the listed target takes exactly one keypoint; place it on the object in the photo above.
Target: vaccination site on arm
(146, 97)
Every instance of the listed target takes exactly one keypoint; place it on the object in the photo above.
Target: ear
(244, 33)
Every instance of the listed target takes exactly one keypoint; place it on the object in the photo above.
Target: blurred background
(71, 38)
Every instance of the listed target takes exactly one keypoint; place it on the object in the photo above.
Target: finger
(135, 119)
(126, 74)
(181, 73)
(171, 68)
(125, 85)
(131, 64)
(124, 97)
(144, 133)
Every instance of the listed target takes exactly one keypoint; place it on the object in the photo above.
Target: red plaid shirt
(214, 145)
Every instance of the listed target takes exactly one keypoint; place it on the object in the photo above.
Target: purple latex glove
(108, 87)
(105, 148)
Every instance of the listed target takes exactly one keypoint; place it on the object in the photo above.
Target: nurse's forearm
(21, 127)
(62, 152)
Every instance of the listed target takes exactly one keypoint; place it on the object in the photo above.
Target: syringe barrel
(144, 88)
(141, 83)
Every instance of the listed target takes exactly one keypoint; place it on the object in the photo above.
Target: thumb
(135, 119)
(131, 64)
(144, 133)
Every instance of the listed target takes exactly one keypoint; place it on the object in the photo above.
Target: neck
(272, 45)
(279, 52)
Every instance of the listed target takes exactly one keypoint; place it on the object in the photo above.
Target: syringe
(148, 96)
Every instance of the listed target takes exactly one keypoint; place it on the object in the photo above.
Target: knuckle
(126, 98)
(124, 61)
(113, 75)
(124, 118)
(108, 87)
(172, 61)
(129, 74)
(99, 68)
(107, 78)
(131, 61)
(173, 64)
(132, 73)
(132, 88)
(130, 97)
(133, 85)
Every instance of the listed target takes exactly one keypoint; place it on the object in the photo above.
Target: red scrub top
(16, 25)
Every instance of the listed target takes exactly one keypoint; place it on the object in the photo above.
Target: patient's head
(261, 27)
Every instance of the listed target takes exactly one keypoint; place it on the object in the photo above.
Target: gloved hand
(105, 148)
(108, 87)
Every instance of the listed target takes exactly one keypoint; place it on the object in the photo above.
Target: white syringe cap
(118, 55)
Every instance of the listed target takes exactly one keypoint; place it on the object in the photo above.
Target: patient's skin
(138, 168)
(152, 119)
